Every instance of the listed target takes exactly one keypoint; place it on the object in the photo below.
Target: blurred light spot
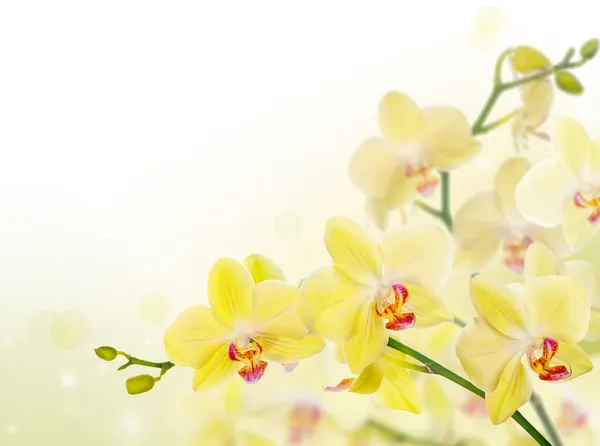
(481, 42)
(11, 429)
(68, 379)
(148, 341)
(67, 331)
(8, 340)
(154, 308)
(289, 224)
(490, 20)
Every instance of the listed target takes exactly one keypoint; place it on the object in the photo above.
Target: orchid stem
(479, 126)
(540, 410)
(440, 370)
(132, 360)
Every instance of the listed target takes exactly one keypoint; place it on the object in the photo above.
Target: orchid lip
(540, 361)
(590, 203)
(388, 305)
(249, 355)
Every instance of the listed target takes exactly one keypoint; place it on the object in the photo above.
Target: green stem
(132, 360)
(446, 213)
(402, 437)
(498, 122)
(540, 410)
(429, 209)
(440, 370)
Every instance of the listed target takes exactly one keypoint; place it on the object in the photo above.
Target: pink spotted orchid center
(589, 202)
(540, 358)
(388, 305)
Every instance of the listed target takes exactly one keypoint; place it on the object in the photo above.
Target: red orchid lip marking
(428, 180)
(542, 367)
(514, 250)
(593, 204)
(303, 420)
(390, 308)
(254, 367)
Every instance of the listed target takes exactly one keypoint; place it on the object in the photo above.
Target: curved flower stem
(479, 126)
(540, 410)
(440, 370)
(132, 360)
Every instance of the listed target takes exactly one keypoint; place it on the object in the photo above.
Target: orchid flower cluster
(379, 286)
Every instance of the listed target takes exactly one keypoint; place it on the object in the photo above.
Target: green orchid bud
(527, 58)
(589, 49)
(568, 83)
(140, 384)
(106, 353)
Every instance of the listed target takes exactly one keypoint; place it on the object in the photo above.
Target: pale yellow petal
(573, 147)
(558, 307)
(593, 333)
(508, 176)
(447, 138)
(262, 268)
(230, 289)
(285, 350)
(398, 389)
(420, 255)
(478, 231)
(353, 250)
(577, 228)
(572, 356)
(373, 165)
(194, 337)
(588, 276)
(537, 100)
(540, 261)
(427, 307)
(543, 192)
(369, 379)
(553, 238)
(437, 403)
(378, 213)
(332, 302)
(402, 191)
(276, 310)
(400, 119)
(484, 352)
(514, 389)
(499, 306)
(218, 368)
(369, 338)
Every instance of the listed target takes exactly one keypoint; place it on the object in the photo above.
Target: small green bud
(589, 49)
(568, 83)
(106, 353)
(527, 58)
(140, 384)
(262, 268)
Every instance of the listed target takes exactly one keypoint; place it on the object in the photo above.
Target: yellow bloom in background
(388, 380)
(246, 326)
(373, 288)
(541, 262)
(537, 98)
(565, 190)
(394, 169)
(541, 321)
(489, 223)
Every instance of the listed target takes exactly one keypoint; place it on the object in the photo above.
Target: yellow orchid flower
(489, 223)
(565, 190)
(392, 170)
(388, 380)
(537, 98)
(540, 321)
(373, 288)
(541, 261)
(246, 326)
